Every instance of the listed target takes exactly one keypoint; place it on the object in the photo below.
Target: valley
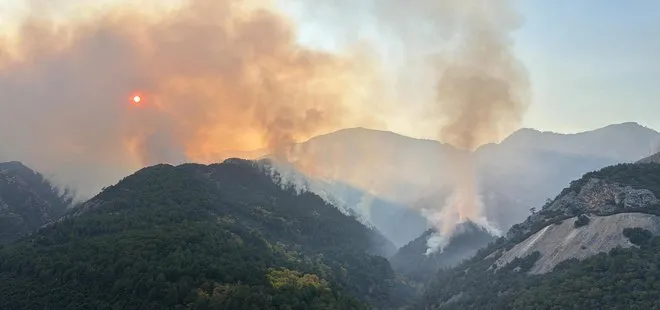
(329, 155)
(244, 234)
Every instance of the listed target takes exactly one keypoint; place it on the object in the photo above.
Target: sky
(591, 63)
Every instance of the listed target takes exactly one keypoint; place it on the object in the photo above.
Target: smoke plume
(224, 77)
(481, 93)
(456, 61)
(214, 76)
(481, 96)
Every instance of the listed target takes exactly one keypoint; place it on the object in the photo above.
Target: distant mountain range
(257, 234)
(523, 171)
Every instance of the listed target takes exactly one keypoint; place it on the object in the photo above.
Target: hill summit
(223, 236)
(417, 264)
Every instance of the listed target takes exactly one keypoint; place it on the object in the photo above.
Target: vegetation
(581, 220)
(523, 264)
(27, 201)
(638, 176)
(621, 279)
(198, 237)
(645, 176)
(413, 262)
(638, 236)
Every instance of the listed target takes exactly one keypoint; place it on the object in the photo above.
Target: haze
(592, 54)
(219, 78)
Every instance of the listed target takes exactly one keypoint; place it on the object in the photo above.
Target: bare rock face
(599, 196)
(554, 233)
(596, 196)
(563, 241)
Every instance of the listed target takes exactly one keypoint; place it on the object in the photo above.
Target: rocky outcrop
(595, 196)
(562, 241)
(599, 196)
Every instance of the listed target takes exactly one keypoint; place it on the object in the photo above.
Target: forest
(199, 237)
(624, 278)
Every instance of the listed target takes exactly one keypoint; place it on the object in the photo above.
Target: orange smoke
(222, 76)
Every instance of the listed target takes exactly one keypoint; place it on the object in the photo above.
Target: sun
(137, 99)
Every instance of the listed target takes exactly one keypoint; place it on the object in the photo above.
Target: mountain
(595, 246)
(651, 159)
(389, 164)
(522, 171)
(530, 166)
(617, 141)
(224, 236)
(413, 261)
(392, 219)
(378, 174)
(27, 201)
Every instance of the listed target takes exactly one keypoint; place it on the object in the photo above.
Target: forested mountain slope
(605, 252)
(522, 171)
(27, 201)
(651, 159)
(223, 236)
(414, 262)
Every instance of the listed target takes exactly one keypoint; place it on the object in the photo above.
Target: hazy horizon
(585, 62)
(92, 92)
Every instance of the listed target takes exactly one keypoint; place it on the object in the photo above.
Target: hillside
(27, 201)
(651, 159)
(594, 246)
(522, 171)
(413, 262)
(392, 219)
(200, 237)
(530, 166)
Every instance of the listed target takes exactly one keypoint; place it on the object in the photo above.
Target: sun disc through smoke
(136, 99)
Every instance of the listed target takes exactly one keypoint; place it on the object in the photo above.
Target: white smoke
(448, 219)
(288, 177)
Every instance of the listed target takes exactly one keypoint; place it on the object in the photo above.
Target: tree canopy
(223, 236)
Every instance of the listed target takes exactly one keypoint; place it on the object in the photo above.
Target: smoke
(480, 91)
(215, 76)
(223, 77)
(455, 60)
(482, 95)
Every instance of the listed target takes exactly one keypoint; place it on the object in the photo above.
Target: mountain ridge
(27, 201)
(414, 261)
(607, 218)
(405, 171)
(199, 236)
(651, 159)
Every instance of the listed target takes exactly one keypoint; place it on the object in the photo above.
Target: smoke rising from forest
(218, 77)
